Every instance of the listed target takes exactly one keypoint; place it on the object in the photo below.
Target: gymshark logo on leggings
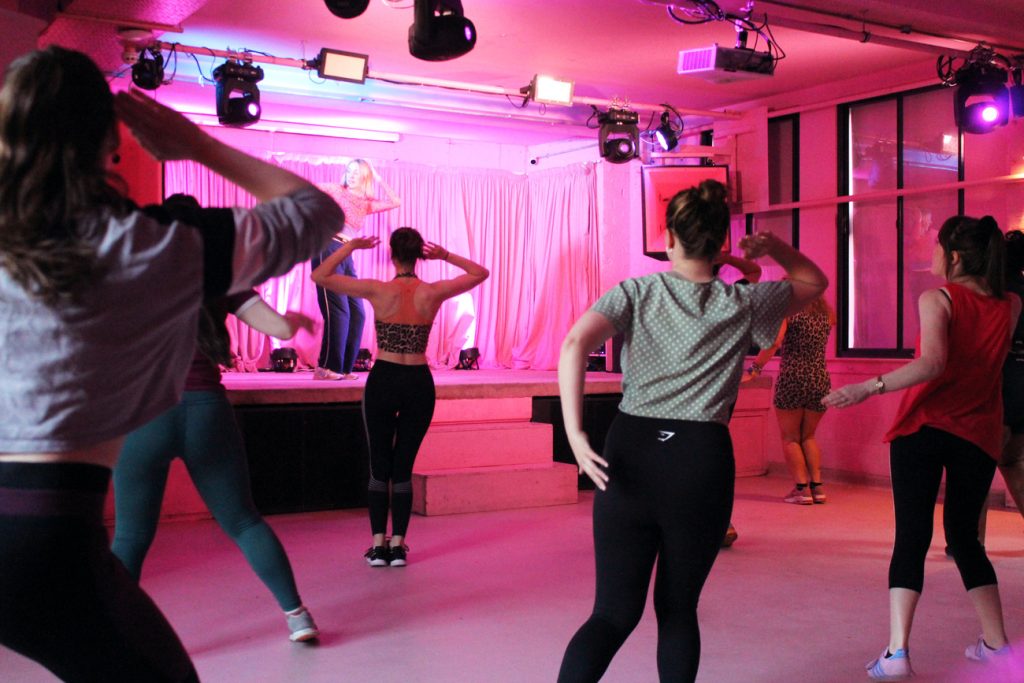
(665, 436)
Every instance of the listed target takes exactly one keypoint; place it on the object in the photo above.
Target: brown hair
(406, 245)
(699, 218)
(56, 123)
(980, 245)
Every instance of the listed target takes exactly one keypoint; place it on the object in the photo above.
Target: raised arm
(586, 335)
(446, 289)
(748, 269)
(169, 136)
(324, 274)
(292, 223)
(805, 277)
(392, 202)
(259, 316)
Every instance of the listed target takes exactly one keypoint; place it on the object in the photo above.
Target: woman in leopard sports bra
(399, 399)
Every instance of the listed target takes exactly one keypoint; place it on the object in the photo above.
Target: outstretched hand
(847, 396)
(434, 251)
(364, 242)
(300, 321)
(163, 132)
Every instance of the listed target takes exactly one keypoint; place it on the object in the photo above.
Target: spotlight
(347, 9)
(238, 98)
(148, 71)
(284, 359)
(617, 138)
(666, 134)
(469, 359)
(982, 102)
(440, 31)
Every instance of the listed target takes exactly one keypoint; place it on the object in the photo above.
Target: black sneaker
(378, 556)
(398, 555)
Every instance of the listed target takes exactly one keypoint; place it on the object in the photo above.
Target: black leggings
(916, 463)
(65, 600)
(398, 404)
(669, 498)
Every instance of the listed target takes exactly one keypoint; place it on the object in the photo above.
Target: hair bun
(988, 223)
(712, 191)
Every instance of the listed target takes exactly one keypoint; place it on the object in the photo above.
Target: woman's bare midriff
(103, 454)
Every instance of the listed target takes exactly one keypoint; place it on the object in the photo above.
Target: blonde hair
(367, 184)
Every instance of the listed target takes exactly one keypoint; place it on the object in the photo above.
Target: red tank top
(965, 400)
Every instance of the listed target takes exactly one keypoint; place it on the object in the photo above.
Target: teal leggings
(201, 430)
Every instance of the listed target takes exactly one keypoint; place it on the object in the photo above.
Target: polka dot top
(685, 341)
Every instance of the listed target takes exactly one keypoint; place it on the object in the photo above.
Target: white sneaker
(324, 373)
(799, 497)
(981, 652)
(895, 667)
(302, 626)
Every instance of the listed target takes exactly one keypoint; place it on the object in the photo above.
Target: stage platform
(496, 441)
(268, 388)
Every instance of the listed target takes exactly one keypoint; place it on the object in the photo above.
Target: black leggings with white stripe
(398, 404)
(669, 498)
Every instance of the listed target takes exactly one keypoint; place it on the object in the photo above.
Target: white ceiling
(611, 48)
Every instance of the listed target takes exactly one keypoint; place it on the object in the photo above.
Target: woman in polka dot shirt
(665, 479)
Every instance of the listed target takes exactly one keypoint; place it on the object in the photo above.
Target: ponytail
(980, 245)
(995, 261)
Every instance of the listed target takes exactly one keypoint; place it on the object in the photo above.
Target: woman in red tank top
(949, 420)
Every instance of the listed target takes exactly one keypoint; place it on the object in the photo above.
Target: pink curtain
(537, 234)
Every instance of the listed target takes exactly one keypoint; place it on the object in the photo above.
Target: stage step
(484, 444)
(480, 489)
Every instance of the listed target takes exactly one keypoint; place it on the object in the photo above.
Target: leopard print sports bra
(402, 337)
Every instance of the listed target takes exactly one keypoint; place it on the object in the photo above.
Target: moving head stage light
(238, 98)
(440, 31)
(617, 139)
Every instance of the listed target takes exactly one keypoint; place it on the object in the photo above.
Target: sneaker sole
(798, 501)
(399, 563)
(377, 563)
(304, 635)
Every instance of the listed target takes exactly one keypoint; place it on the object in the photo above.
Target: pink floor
(494, 597)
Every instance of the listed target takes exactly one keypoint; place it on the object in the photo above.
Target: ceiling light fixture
(238, 97)
(347, 9)
(667, 132)
(339, 65)
(440, 31)
(550, 90)
(982, 101)
(618, 136)
(148, 70)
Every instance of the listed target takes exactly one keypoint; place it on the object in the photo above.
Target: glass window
(930, 140)
(872, 257)
(872, 147)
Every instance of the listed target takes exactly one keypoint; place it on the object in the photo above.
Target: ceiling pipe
(473, 88)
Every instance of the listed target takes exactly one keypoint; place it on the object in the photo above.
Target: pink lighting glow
(990, 113)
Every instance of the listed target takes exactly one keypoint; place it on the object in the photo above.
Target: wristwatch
(879, 386)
